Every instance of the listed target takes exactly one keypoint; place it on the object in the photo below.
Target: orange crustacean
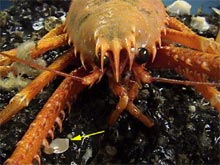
(119, 39)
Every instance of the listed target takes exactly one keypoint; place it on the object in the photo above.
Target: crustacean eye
(142, 56)
(98, 60)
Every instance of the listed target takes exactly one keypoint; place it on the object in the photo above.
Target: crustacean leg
(173, 23)
(210, 93)
(198, 61)
(22, 99)
(218, 37)
(179, 33)
(53, 39)
(201, 64)
(187, 63)
(52, 112)
(126, 97)
(195, 66)
(5, 60)
(28, 148)
(4, 70)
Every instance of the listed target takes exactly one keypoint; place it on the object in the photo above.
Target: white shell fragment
(217, 11)
(199, 23)
(63, 16)
(179, 7)
(59, 145)
(38, 25)
(192, 108)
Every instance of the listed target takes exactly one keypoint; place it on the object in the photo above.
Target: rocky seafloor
(186, 131)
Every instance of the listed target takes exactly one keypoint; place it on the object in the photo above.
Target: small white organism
(180, 7)
(199, 23)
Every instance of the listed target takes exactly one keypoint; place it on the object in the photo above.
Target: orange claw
(27, 149)
(22, 99)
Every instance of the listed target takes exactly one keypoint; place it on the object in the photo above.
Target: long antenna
(36, 66)
(155, 79)
(183, 82)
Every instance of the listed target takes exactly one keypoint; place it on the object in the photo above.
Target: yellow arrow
(79, 137)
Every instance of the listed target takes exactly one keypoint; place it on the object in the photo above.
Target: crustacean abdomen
(100, 27)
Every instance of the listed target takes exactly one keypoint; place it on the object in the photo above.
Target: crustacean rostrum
(120, 39)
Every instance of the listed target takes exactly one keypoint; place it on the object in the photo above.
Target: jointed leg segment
(126, 97)
(181, 34)
(22, 99)
(53, 39)
(43, 125)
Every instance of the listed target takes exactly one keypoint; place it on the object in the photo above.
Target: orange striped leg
(4, 70)
(190, 39)
(193, 41)
(51, 40)
(29, 146)
(209, 93)
(22, 99)
(42, 46)
(174, 23)
(5, 60)
(195, 66)
(55, 32)
(46, 44)
(193, 60)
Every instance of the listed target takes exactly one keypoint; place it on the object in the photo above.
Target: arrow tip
(77, 138)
